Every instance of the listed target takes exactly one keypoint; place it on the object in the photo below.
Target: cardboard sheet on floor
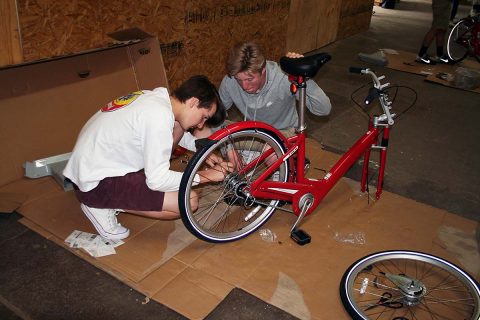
(405, 61)
(433, 78)
(163, 261)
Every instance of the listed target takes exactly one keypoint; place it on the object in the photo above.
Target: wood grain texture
(194, 35)
(312, 24)
(11, 49)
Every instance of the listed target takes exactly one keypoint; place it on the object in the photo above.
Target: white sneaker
(425, 59)
(105, 222)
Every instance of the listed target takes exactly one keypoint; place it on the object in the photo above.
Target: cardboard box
(44, 104)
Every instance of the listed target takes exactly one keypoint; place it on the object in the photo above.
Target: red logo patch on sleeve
(121, 102)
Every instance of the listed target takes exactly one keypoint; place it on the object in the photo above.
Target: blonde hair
(245, 57)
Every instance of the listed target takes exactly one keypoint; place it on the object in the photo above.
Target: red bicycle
(270, 168)
(464, 39)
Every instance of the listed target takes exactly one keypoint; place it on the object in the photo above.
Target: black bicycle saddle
(306, 66)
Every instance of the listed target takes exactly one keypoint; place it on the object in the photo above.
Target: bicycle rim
(408, 285)
(458, 43)
(225, 210)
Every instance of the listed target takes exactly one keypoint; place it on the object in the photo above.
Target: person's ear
(193, 102)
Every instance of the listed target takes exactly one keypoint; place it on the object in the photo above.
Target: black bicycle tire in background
(455, 51)
(368, 292)
(220, 201)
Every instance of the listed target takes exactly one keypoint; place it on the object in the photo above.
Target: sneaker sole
(101, 232)
(427, 63)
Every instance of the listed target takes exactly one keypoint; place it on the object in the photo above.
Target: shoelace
(112, 220)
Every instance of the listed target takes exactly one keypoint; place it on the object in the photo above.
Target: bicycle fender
(242, 125)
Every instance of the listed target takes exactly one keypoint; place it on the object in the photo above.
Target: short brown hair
(243, 57)
(201, 88)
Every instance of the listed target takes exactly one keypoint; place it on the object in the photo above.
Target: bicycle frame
(298, 185)
(304, 193)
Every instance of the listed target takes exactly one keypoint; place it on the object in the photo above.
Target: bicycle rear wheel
(408, 285)
(226, 211)
(458, 43)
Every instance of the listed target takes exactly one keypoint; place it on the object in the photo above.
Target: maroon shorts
(129, 192)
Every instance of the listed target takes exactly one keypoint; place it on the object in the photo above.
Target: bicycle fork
(383, 146)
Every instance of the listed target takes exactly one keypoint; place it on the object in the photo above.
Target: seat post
(302, 126)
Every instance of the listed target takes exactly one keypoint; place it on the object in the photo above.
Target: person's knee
(167, 215)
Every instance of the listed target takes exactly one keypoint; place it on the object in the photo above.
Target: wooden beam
(11, 48)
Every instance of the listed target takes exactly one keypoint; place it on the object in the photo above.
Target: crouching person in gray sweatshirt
(260, 89)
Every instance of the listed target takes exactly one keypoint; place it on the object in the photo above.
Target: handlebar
(377, 92)
(355, 70)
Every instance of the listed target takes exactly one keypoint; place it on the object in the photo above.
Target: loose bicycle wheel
(226, 210)
(458, 43)
(408, 285)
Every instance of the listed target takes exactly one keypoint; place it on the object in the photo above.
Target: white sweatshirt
(131, 133)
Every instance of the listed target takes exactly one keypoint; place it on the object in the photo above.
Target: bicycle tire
(425, 285)
(224, 212)
(458, 43)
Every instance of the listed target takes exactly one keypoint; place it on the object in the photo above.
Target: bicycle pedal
(300, 237)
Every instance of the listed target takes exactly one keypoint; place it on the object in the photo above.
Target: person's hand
(216, 173)
(235, 159)
(294, 55)
(213, 159)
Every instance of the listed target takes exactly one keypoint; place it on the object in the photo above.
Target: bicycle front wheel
(226, 211)
(408, 285)
(458, 43)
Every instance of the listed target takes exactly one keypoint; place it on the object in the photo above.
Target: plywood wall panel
(212, 29)
(194, 35)
(11, 47)
(355, 17)
(312, 24)
(353, 24)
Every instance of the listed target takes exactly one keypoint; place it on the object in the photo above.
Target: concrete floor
(433, 158)
(433, 153)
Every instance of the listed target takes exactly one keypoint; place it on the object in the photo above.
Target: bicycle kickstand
(298, 235)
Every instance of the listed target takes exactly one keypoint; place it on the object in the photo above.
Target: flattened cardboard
(302, 280)
(405, 61)
(44, 104)
(159, 241)
(433, 78)
(26, 189)
(193, 293)
(10, 201)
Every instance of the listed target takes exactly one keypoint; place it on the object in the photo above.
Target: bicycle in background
(464, 39)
